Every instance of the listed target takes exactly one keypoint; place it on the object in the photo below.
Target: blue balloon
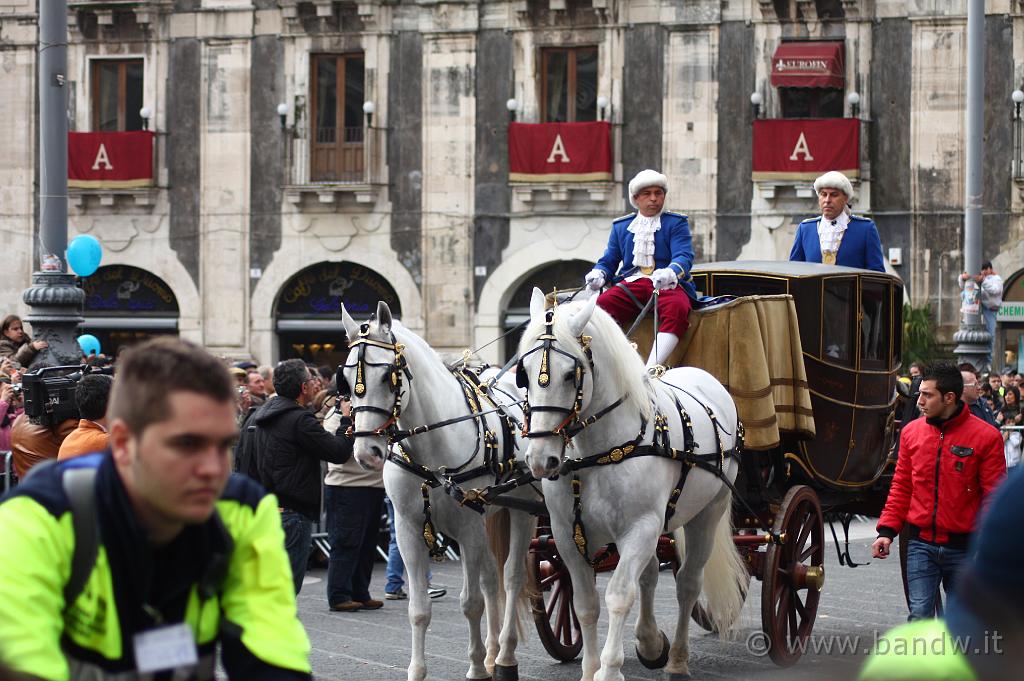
(89, 343)
(84, 254)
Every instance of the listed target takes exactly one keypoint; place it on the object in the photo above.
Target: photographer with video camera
(51, 414)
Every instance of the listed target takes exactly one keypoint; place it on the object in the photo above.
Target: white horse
(399, 382)
(590, 396)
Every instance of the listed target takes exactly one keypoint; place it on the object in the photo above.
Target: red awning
(804, 64)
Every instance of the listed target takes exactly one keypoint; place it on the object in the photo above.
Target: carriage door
(876, 381)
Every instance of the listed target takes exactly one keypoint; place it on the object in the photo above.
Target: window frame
(340, 144)
(571, 52)
(95, 69)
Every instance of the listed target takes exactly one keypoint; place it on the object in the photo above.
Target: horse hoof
(503, 673)
(659, 661)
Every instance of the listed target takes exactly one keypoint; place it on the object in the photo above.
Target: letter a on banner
(558, 149)
(801, 148)
(102, 159)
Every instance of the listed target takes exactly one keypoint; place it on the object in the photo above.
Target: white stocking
(663, 347)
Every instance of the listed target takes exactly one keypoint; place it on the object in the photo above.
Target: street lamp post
(54, 299)
(972, 337)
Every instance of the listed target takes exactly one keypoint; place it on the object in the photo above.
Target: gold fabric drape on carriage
(752, 345)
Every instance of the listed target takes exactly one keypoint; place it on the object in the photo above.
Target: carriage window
(741, 285)
(839, 300)
(875, 324)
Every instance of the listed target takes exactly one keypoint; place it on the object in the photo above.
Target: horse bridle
(396, 368)
(564, 429)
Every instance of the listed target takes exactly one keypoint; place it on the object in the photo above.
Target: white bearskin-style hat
(834, 179)
(644, 179)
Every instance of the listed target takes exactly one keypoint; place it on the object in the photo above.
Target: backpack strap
(80, 488)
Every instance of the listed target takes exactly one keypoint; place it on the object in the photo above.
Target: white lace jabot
(643, 229)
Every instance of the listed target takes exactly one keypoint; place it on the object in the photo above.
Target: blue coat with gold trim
(673, 247)
(860, 246)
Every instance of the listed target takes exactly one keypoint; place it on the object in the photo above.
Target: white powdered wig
(644, 179)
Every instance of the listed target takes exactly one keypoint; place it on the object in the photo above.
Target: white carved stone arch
(509, 276)
(293, 258)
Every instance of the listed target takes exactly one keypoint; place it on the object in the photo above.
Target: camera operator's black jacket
(290, 443)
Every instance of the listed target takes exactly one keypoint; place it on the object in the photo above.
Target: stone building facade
(251, 212)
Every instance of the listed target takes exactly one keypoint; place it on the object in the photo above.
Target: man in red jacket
(949, 463)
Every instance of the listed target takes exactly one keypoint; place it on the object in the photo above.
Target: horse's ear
(537, 304)
(383, 317)
(351, 328)
(578, 321)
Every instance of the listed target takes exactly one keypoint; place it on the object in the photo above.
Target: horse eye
(571, 375)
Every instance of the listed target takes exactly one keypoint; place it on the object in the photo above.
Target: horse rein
(396, 368)
(571, 424)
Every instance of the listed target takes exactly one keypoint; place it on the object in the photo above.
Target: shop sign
(126, 290)
(1012, 311)
(318, 291)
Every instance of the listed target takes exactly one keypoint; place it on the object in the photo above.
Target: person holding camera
(289, 444)
(151, 560)
(33, 442)
(10, 409)
(91, 396)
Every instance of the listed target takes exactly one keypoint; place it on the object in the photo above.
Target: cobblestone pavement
(856, 604)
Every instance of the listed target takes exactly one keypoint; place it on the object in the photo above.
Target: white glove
(594, 279)
(333, 421)
(664, 278)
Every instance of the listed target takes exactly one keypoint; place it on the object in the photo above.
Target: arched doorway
(1010, 325)
(561, 275)
(308, 313)
(125, 305)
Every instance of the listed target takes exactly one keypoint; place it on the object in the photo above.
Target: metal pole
(53, 134)
(972, 337)
(55, 299)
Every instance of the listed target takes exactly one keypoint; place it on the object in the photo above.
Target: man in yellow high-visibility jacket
(179, 556)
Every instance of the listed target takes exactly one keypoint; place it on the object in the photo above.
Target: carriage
(810, 354)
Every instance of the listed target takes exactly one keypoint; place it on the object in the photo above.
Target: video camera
(50, 397)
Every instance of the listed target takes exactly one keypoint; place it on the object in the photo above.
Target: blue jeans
(396, 566)
(353, 521)
(929, 565)
(989, 317)
(298, 540)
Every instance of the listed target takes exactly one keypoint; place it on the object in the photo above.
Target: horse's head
(553, 368)
(372, 375)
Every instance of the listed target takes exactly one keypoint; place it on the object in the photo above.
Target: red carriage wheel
(553, 612)
(793, 575)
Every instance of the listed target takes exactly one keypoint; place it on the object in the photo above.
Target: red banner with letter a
(560, 152)
(110, 160)
(804, 148)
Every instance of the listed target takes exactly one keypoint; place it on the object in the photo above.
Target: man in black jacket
(290, 443)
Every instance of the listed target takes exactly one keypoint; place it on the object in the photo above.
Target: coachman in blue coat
(837, 237)
(648, 250)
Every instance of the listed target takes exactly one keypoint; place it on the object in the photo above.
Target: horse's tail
(499, 533)
(725, 576)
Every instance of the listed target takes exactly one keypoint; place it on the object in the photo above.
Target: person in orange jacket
(91, 395)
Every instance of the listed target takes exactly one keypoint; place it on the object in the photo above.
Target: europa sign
(560, 152)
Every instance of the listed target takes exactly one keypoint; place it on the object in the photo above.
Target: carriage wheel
(553, 612)
(793, 575)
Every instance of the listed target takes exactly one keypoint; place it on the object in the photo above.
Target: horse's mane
(626, 370)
